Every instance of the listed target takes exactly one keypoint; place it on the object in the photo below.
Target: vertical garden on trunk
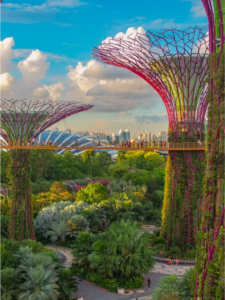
(211, 239)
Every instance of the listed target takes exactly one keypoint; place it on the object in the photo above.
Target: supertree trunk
(21, 217)
(210, 262)
(182, 198)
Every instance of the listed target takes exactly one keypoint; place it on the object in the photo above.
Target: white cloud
(34, 67)
(64, 3)
(45, 12)
(6, 81)
(53, 91)
(163, 23)
(6, 54)
(21, 53)
(41, 93)
(198, 10)
(104, 86)
(44, 6)
(18, 53)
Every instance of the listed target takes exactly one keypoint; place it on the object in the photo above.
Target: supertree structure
(175, 64)
(23, 120)
(210, 265)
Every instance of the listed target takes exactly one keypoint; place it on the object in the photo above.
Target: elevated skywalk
(186, 146)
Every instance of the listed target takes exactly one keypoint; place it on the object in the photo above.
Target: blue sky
(65, 31)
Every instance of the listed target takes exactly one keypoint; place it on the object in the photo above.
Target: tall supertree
(23, 120)
(175, 64)
(210, 266)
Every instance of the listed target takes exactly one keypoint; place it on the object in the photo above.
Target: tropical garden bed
(159, 245)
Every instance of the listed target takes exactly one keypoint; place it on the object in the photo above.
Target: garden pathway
(89, 291)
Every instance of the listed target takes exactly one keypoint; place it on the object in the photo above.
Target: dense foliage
(119, 255)
(120, 251)
(28, 271)
(173, 287)
(99, 222)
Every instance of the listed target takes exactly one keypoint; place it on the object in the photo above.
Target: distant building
(145, 136)
(109, 138)
(127, 135)
(162, 136)
(124, 135)
(140, 137)
(154, 138)
(115, 137)
(150, 137)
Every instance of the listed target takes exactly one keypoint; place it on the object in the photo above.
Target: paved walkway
(90, 291)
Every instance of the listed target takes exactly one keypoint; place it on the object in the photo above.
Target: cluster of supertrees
(186, 68)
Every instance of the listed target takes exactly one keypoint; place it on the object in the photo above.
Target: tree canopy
(121, 251)
(93, 193)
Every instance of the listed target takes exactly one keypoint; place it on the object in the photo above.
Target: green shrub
(4, 226)
(9, 284)
(42, 186)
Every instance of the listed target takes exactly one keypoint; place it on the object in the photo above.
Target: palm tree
(169, 288)
(83, 247)
(40, 284)
(67, 284)
(100, 213)
(122, 252)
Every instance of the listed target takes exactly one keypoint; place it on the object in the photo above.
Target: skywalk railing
(190, 146)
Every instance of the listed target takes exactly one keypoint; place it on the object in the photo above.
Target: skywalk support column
(23, 120)
(21, 217)
(175, 64)
(183, 189)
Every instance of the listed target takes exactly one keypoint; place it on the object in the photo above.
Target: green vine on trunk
(21, 217)
(210, 283)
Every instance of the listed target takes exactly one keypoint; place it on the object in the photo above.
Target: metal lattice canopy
(173, 62)
(24, 120)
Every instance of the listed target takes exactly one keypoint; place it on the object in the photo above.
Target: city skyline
(125, 135)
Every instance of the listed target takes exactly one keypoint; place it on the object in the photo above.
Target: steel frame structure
(173, 62)
(24, 120)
